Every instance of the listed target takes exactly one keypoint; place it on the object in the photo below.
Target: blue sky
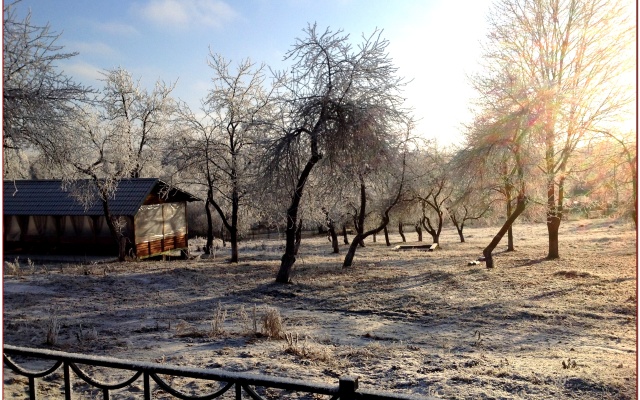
(434, 43)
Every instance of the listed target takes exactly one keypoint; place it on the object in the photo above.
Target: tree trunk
(233, 239)
(208, 247)
(286, 264)
(348, 259)
(122, 249)
(553, 217)
(401, 232)
(116, 232)
(358, 221)
(459, 226)
(419, 231)
(434, 238)
(553, 226)
(344, 234)
(426, 222)
(289, 256)
(509, 211)
(298, 237)
(373, 237)
(233, 228)
(386, 236)
(553, 222)
(435, 233)
(334, 239)
(487, 252)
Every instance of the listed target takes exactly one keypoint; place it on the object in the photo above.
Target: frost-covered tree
(219, 146)
(38, 99)
(114, 139)
(330, 92)
(563, 66)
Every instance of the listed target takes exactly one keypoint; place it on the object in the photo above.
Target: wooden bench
(424, 247)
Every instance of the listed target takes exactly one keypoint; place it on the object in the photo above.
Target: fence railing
(234, 384)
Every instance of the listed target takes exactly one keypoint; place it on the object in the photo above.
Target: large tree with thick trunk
(333, 91)
(573, 59)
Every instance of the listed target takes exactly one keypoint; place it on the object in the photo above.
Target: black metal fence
(238, 385)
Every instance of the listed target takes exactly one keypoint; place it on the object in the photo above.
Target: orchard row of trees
(329, 141)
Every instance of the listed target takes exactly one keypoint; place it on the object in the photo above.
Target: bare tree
(470, 199)
(570, 56)
(625, 153)
(139, 117)
(93, 151)
(38, 99)
(434, 192)
(467, 203)
(332, 92)
(501, 137)
(222, 144)
(393, 193)
(111, 141)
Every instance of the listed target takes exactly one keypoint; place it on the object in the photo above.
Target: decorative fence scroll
(234, 385)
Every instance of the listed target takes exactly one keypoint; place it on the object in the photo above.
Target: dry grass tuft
(272, 324)
(87, 335)
(52, 327)
(217, 323)
(184, 329)
(12, 268)
(243, 319)
(305, 349)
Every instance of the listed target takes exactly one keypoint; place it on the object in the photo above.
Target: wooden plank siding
(155, 247)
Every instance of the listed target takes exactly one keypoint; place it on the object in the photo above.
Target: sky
(435, 44)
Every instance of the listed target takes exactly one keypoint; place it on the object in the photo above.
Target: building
(44, 216)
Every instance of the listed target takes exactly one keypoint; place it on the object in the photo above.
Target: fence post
(347, 387)
(33, 390)
(67, 381)
(147, 386)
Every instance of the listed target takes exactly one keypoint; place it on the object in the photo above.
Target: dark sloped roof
(48, 197)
